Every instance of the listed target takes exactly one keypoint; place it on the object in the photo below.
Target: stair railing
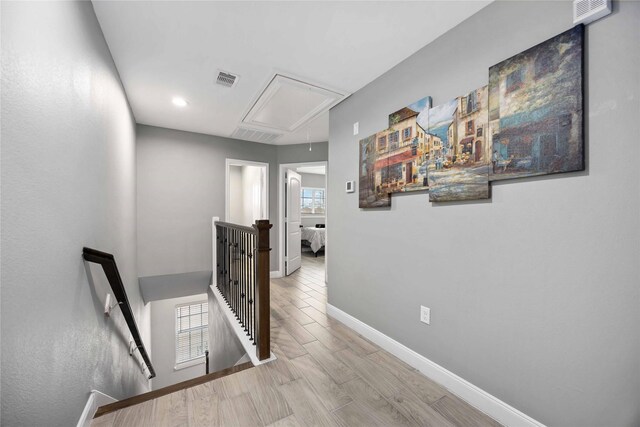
(108, 263)
(242, 277)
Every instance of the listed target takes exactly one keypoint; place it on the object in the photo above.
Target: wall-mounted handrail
(108, 263)
(241, 261)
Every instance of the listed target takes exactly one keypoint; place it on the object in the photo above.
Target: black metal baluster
(234, 284)
(253, 287)
(253, 283)
(244, 281)
(237, 276)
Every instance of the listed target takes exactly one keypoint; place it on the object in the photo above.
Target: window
(469, 103)
(382, 143)
(406, 133)
(469, 127)
(546, 62)
(514, 80)
(392, 173)
(312, 201)
(393, 140)
(192, 331)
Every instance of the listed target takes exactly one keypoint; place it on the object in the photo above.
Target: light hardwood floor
(325, 375)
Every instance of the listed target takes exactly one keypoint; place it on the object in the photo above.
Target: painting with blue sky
(459, 164)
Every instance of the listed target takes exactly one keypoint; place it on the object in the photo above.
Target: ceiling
(167, 49)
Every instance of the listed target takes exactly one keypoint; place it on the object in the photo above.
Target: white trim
(248, 346)
(475, 396)
(189, 363)
(236, 162)
(275, 274)
(281, 172)
(96, 399)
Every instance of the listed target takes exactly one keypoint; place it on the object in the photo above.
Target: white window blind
(192, 331)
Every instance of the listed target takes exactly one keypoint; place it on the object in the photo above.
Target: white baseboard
(275, 274)
(96, 400)
(480, 399)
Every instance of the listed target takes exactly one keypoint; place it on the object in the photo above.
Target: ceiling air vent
(226, 79)
(587, 11)
(255, 135)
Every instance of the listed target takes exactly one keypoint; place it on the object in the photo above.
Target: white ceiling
(165, 49)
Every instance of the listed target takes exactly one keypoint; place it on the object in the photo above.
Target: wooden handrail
(241, 262)
(154, 394)
(108, 263)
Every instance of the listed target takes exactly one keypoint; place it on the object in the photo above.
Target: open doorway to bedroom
(303, 220)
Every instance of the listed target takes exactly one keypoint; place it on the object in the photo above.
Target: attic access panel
(286, 104)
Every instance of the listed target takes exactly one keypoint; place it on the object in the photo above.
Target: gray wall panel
(68, 181)
(534, 294)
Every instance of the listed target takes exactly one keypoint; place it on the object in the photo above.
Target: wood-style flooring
(325, 375)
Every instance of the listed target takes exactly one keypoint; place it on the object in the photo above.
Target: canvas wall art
(535, 109)
(528, 121)
(460, 153)
(404, 147)
(371, 171)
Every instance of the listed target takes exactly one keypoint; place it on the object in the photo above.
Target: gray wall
(299, 153)
(313, 180)
(68, 181)
(155, 288)
(163, 342)
(226, 349)
(535, 294)
(181, 185)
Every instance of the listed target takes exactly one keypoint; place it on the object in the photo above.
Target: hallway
(325, 375)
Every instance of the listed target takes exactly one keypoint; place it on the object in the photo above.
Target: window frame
(394, 140)
(382, 143)
(407, 135)
(194, 360)
(313, 199)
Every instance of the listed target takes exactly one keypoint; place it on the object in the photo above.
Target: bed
(314, 237)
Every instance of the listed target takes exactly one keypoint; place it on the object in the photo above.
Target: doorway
(247, 191)
(303, 231)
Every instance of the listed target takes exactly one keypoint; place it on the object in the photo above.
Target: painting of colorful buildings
(459, 165)
(403, 150)
(535, 109)
(370, 190)
(395, 159)
(528, 121)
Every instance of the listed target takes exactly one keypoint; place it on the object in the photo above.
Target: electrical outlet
(356, 127)
(425, 314)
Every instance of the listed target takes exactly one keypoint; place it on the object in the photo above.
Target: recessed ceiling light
(179, 102)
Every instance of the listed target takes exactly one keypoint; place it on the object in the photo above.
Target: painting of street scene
(535, 109)
(371, 170)
(459, 152)
(403, 147)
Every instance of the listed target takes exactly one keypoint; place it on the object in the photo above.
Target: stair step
(124, 403)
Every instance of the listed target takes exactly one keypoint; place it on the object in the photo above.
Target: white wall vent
(255, 135)
(586, 11)
(226, 79)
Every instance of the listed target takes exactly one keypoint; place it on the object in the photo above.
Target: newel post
(263, 303)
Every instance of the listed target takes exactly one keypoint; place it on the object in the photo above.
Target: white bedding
(315, 236)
